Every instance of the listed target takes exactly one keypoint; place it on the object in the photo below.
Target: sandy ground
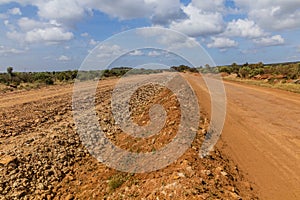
(262, 135)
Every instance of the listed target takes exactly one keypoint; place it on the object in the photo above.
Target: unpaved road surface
(262, 135)
(42, 157)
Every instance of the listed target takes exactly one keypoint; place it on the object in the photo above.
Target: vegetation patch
(117, 181)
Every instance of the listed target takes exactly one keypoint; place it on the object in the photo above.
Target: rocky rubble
(42, 157)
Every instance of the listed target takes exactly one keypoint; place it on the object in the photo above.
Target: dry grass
(291, 87)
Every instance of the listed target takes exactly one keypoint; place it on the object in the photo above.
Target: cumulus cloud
(105, 51)
(67, 11)
(159, 11)
(272, 15)
(170, 41)
(166, 11)
(56, 19)
(93, 42)
(51, 35)
(64, 58)
(27, 24)
(33, 31)
(244, 28)
(211, 6)
(270, 41)
(222, 43)
(199, 22)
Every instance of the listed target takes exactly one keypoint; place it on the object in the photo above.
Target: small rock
(296, 81)
(69, 197)
(7, 160)
(190, 171)
(235, 196)
(224, 173)
(181, 175)
(206, 172)
(41, 186)
(18, 194)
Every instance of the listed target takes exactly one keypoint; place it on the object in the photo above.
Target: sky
(56, 35)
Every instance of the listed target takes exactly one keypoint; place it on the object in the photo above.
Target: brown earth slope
(262, 135)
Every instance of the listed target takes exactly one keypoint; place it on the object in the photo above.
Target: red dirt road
(262, 135)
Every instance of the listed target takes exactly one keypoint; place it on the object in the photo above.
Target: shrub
(49, 81)
(116, 181)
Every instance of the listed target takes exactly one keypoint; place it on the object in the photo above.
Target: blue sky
(38, 35)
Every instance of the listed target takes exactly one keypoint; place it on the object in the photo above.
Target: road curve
(262, 135)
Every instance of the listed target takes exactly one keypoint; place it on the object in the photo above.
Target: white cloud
(211, 6)
(108, 51)
(84, 34)
(154, 53)
(159, 11)
(14, 35)
(64, 58)
(136, 53)
(33, 31)
(270, 41)
(49, 35)
(201, 15)
(199, 23)
(243, 28)
(9, 25)
(176, 41)
(164, 12)
(67, 11)
(15, 11)
(168, 39)
(6, 22)
(273, 15)
(27, 24)
(93, 42)
(6, 51)
(222, 43)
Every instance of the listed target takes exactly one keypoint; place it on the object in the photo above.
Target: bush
(116, 181)
(49, 81)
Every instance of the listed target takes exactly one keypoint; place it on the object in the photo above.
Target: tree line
(14, 79)
(285, 71)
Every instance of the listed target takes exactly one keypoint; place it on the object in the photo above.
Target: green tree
(10, 70)
(10, 73)
(235, 68)
(244, 72)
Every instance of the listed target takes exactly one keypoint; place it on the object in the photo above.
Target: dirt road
(42, 157)
(262, 135)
